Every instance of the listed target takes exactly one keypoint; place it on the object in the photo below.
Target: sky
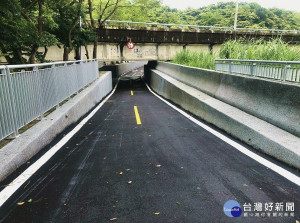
(282, 4)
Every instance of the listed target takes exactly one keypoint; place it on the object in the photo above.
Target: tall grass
(275, 49)
(201, 59)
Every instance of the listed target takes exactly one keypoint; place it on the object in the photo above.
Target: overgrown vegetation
(201, 59)
(241, 49)
(259, 50)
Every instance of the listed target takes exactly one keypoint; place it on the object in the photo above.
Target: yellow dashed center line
(137, 116)
(131, 92)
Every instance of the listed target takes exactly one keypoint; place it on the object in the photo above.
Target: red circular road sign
(130, 45)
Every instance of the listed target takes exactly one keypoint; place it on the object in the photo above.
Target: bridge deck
(114, 168)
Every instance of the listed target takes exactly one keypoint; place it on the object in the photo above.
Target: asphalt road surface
(166, 169)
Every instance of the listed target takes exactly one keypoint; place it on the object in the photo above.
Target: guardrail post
(230, 67)
(12, 105)
(252, 68)
(284, 72)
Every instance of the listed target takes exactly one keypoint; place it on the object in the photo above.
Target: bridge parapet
(185, 27)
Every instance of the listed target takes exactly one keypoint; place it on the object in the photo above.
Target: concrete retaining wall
(141, 51)
(275, 102)
(20, 150)
(247, 128)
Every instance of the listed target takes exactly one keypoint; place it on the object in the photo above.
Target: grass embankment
(239, 49)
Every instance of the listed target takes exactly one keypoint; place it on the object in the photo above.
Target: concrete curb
(256, 132)
(20, 150)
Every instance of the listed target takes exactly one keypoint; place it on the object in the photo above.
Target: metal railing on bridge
(279, 70)
(28, 91)
(196, 27)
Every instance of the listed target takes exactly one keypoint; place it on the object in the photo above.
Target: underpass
(137, 159)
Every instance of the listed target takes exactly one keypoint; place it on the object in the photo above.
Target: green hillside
(251, 15)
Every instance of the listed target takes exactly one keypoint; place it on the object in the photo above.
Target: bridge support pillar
(105, 51)
(157, 55)
(211, 48)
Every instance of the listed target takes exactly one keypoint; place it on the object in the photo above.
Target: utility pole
(236, 14)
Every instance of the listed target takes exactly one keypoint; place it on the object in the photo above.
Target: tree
(9, 26)
(66, 14)
(22, 32)
(106, 9)
(82, 38)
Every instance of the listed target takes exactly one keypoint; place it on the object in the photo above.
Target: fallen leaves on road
(20, 203)
(121, 173)
(157, 213)
(178, 203)
(30, 200)
(245, 185)
(113, 219)
(129, 182)
(127, 170)
(158, 165)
